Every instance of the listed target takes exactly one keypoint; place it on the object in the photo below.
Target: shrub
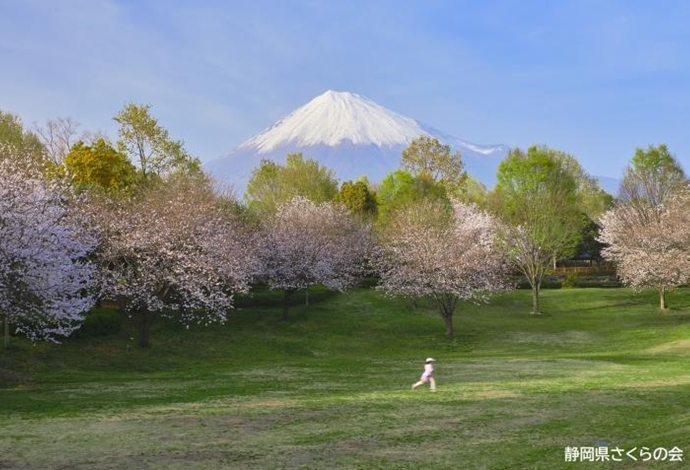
(570, 280)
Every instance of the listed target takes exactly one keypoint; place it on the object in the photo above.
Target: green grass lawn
(331, 388)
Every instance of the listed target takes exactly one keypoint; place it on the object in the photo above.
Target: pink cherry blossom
(45, 242)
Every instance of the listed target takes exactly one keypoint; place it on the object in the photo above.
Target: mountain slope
(352, 135)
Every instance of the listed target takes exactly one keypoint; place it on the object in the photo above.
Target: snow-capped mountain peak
(334, 118)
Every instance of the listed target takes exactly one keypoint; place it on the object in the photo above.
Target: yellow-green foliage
(99, 166)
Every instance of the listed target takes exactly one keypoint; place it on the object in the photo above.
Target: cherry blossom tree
(174, 252)
(45, 275)
(307, 243)
(650, 243)
(646, 230)
(428, 251)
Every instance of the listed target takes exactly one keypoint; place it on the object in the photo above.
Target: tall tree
(99, 166)
(446, 255)
(428, 157)
(173, 251)
(149, 145)
(536, 197)
(305, 243)
(45, 275)
(272, 184)
(592, 201)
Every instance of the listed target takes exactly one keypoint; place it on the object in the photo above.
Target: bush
(557, 281)
(570, 280)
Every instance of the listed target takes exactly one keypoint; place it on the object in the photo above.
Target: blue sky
(594, 78)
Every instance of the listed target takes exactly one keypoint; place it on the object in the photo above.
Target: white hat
(430, 359)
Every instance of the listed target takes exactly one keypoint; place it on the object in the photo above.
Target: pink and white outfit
(428, 371)
(427, 375)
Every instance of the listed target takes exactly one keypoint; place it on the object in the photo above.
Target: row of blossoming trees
(175, 248)
(160, 240)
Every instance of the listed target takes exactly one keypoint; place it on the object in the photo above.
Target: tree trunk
(448, 320)
(662, 298)
(446, 307)
(6, 335)
(145, 329)
(286, 303)
(535, 299)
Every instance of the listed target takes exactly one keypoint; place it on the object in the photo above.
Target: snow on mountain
(350, 134)
(333, 118)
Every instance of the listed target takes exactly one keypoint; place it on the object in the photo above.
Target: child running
(428, 375)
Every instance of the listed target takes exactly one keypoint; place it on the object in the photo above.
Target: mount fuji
(353, 136)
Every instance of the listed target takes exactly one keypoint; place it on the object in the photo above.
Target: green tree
(23, 143)
(99, 166)
(358, 197)
(536, 197)
(400, 189)
(592, 201)
(428, 157)
(148, 144)
(652, 177)
(272, 184)
(473, 191)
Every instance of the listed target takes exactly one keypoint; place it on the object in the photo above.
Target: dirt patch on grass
(565, 337)
(495, 394)
(682, 345)
(680, 380)
(270, 404)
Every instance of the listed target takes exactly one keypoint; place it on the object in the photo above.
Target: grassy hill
(331, 388)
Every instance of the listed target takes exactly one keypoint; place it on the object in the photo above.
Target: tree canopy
(272, 184)
(652, 176)
(427, 157)
(400, 189)
(359, 198)
(149, 145)
(100, 166)
(19, 142)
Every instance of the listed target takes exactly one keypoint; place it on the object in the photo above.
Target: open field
(331, 387)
